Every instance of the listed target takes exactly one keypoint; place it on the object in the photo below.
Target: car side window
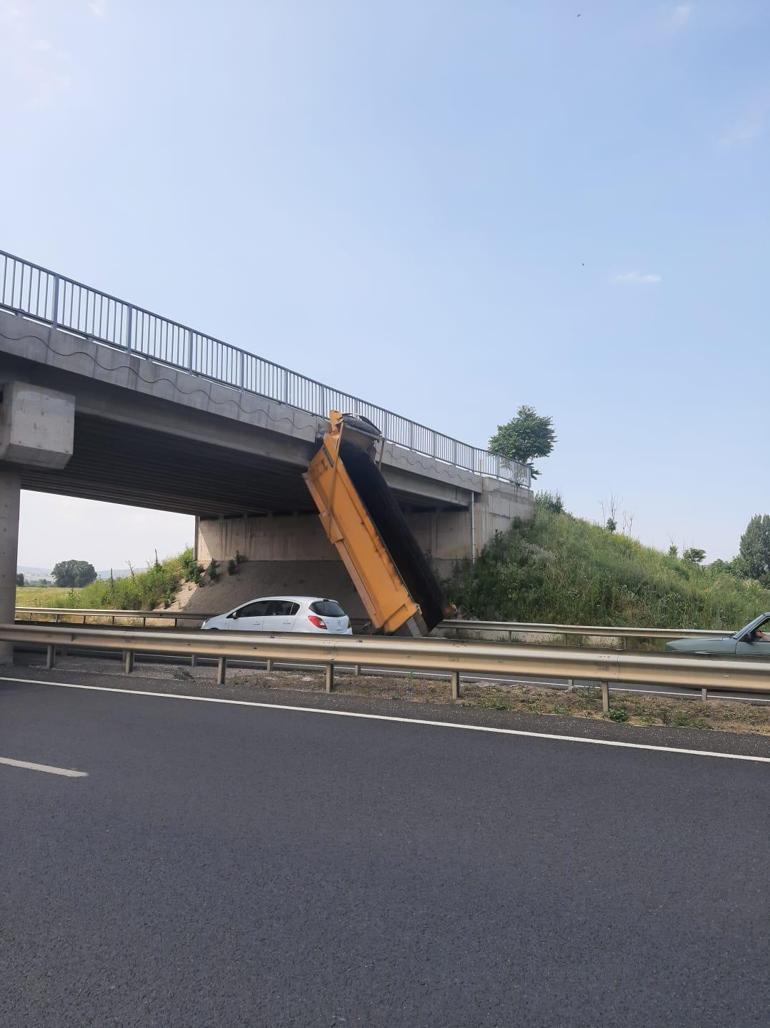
(252, 610)
(282, 608)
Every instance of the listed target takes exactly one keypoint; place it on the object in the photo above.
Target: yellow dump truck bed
(359, 513)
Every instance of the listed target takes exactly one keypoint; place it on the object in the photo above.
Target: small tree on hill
(755, 547)
(525, 437)
(694, 555)
(19, 578)
(74, 574)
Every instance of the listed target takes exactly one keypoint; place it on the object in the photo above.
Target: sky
(449, 208)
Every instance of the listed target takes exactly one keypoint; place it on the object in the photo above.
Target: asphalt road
(239, 865)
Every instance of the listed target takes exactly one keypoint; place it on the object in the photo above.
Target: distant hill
(30, 572)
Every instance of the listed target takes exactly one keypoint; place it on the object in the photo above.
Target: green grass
(561, 569)
(144, 590)
(39, 596)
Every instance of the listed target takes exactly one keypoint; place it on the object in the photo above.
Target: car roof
(286, 596)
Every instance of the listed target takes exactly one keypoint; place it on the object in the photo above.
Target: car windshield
(755, 630)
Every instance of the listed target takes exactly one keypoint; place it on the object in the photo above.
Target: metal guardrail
(36, 292)
(512, 628)
(101, 615)
(606, 631)
(431, 655)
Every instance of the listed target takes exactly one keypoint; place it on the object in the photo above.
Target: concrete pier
(10, 490)
(36, 431)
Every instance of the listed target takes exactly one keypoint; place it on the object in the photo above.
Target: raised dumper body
(363, 520)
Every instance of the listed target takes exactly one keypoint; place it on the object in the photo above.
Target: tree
(74, 573)
(694, 555)
(755, 546)
(525, 437)
(19, 578)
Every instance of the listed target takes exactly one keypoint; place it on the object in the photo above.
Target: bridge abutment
(289, 553)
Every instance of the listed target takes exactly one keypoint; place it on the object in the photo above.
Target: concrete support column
(10, 490)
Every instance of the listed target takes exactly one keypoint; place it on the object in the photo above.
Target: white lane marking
(398, 720)
(49, 770)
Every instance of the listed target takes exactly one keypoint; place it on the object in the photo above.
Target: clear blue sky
(451, 208)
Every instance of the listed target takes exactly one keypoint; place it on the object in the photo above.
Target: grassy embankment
(40, 596)
(143, 590)
(556, 568)
(563, 570)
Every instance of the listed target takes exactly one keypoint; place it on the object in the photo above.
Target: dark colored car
(753, 640)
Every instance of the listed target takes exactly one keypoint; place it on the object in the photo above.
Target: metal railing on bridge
(36, 292)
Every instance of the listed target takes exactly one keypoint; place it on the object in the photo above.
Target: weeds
(560, 569)
(141, 590)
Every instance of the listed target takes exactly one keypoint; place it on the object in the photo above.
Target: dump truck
(364, 522)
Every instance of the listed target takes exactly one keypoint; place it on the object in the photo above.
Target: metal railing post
(55, 308)
(128, 661)
(50, 657)
(329, 678)
(455, 685)
(129, 328)
(190, 363)
(221, 670)
(605, 697)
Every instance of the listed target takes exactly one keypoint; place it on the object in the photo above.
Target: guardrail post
(221, 670)
(605, 697)
(268, 664)
(50, 657)
(329, 678)
(357, 670)
(704, 694)
(455, 685)
(129, 324)
(128, 661)
(189, 350)
(193, 660)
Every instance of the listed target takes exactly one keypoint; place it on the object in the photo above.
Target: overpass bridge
(106, 400)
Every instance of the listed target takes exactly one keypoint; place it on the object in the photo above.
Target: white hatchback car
(284, 614)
